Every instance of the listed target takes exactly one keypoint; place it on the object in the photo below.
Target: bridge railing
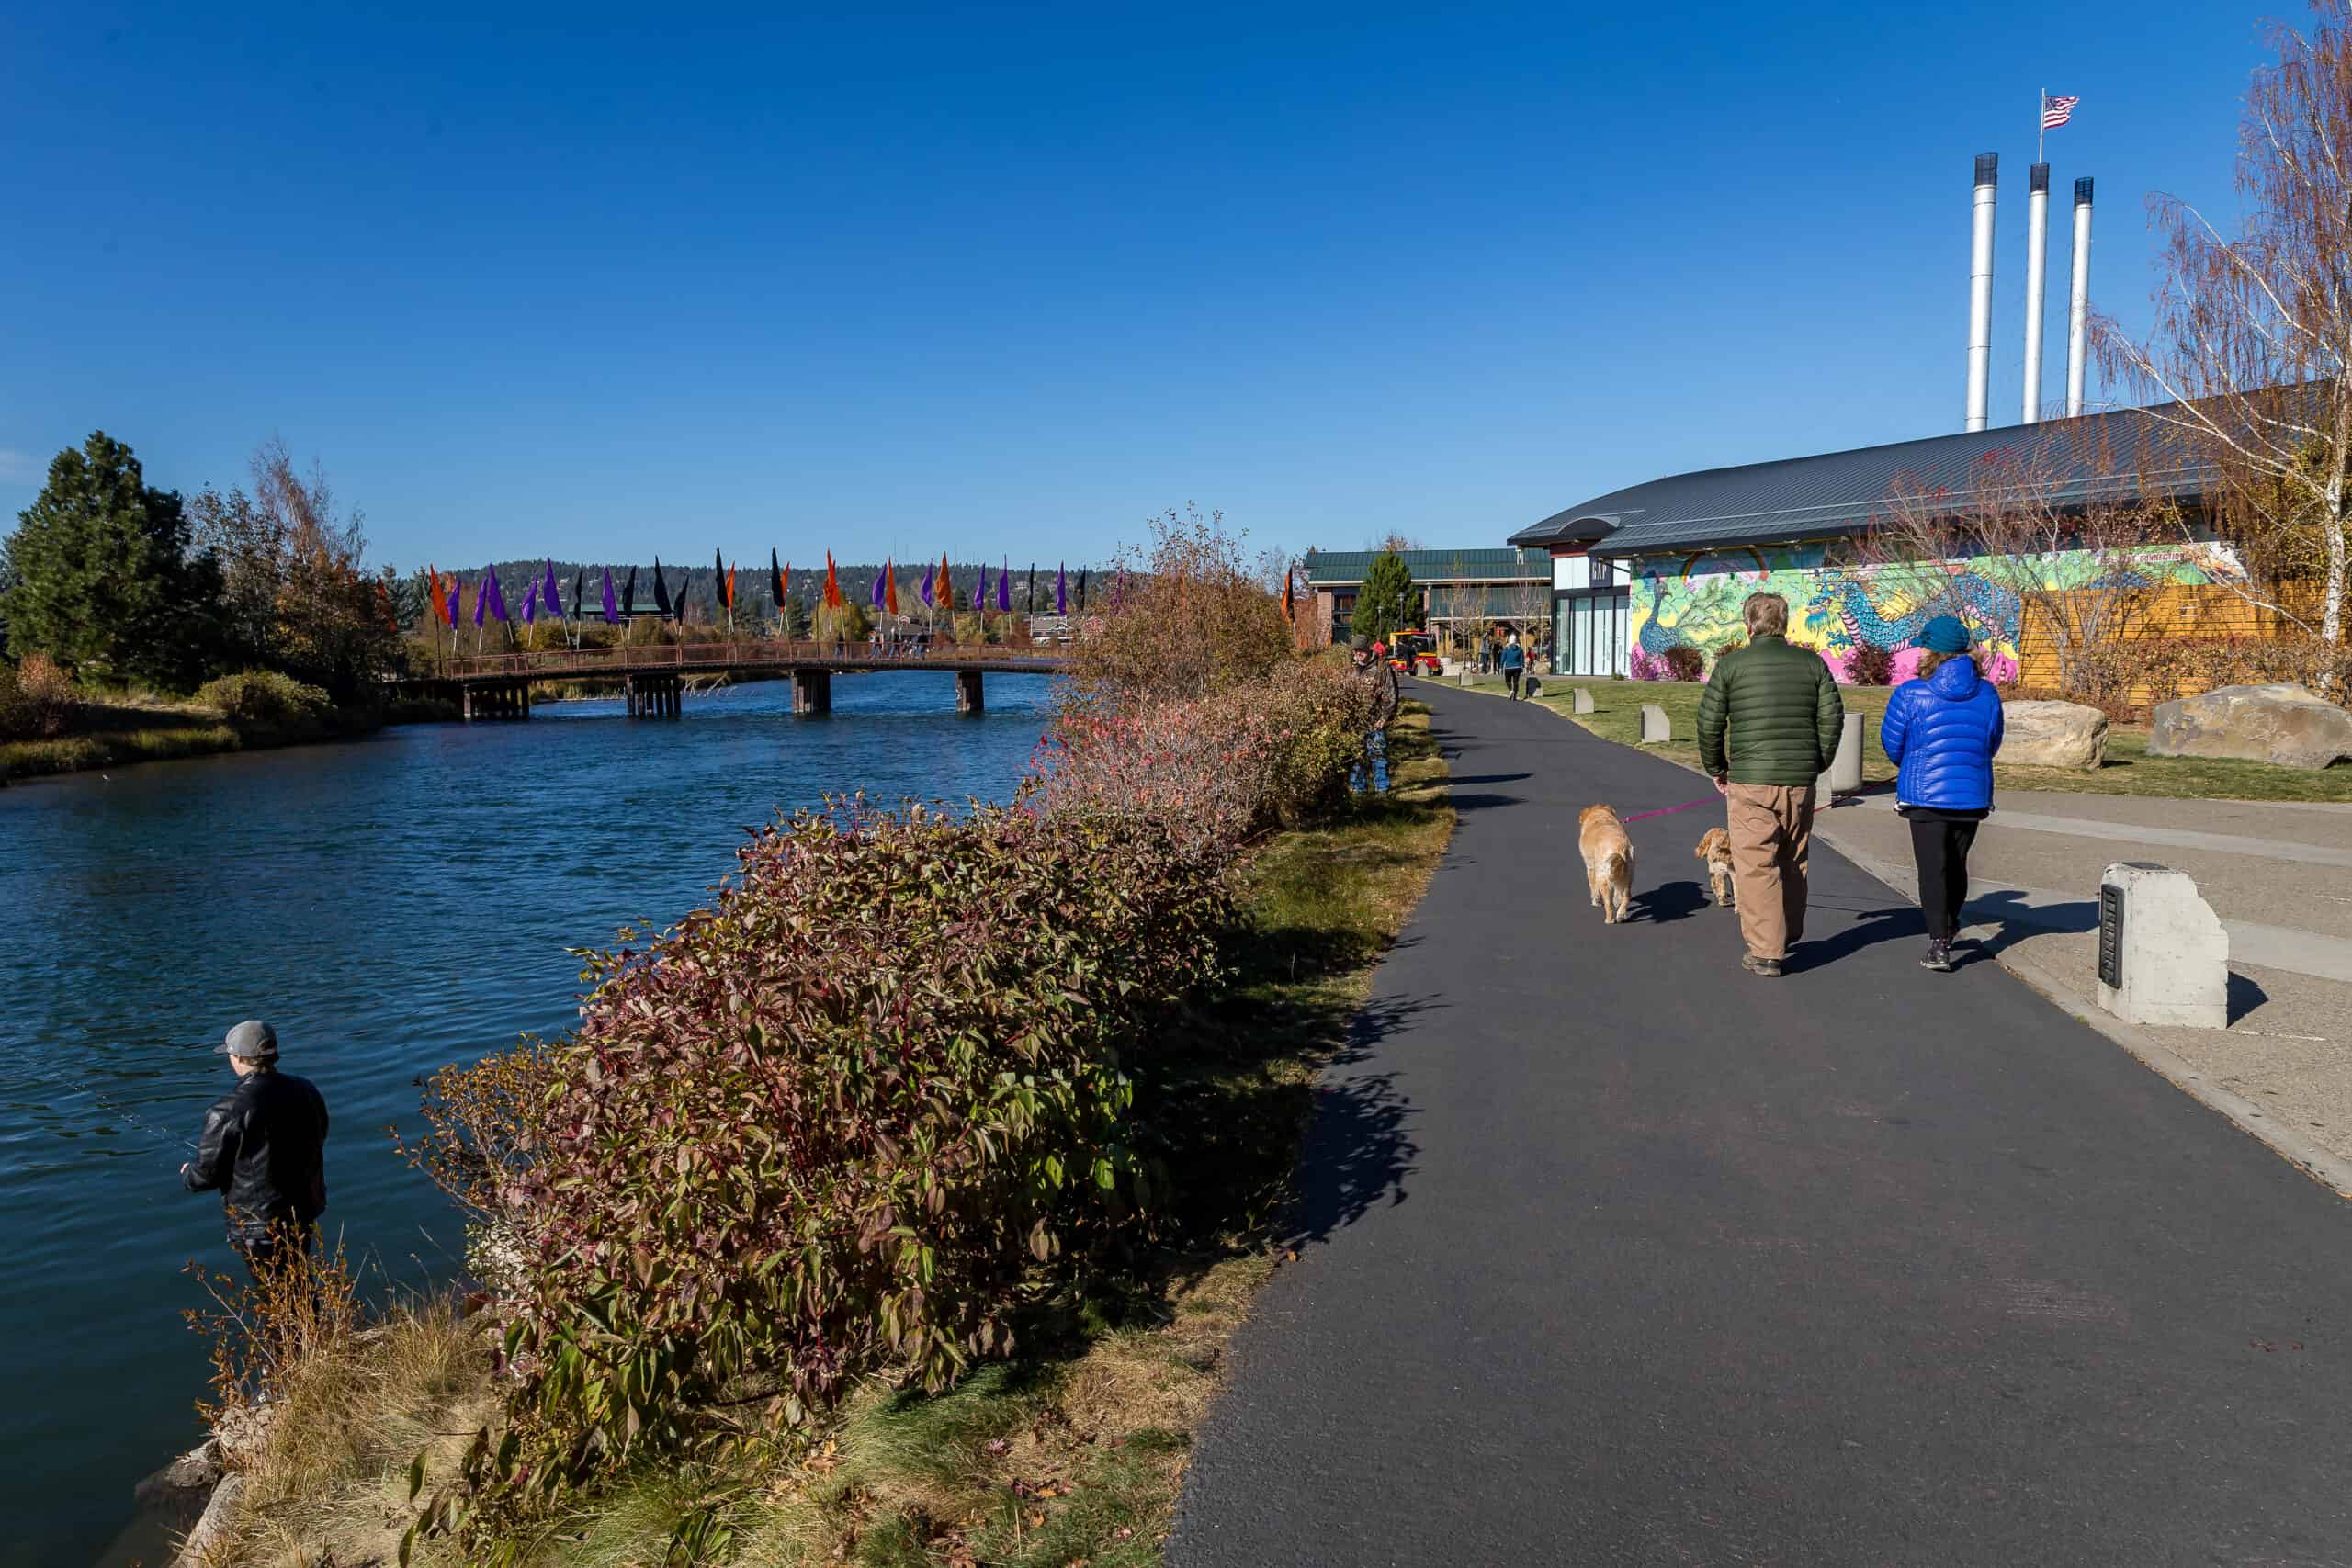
(688, 656)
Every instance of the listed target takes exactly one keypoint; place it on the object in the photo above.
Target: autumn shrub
(1213, 768)
(823, 1126)
(1684, 661)
(2123, 676)
(37, 700)
(1191, 618)
(264, 696)
(1868, 664)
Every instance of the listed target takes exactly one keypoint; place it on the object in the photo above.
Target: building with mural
(1638, 570)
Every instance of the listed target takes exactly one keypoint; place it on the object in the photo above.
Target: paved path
(1612, 1253)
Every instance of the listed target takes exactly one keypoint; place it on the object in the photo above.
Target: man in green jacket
(1779, 705)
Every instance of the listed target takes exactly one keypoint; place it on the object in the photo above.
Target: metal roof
(1326, 567)
(1838, 493)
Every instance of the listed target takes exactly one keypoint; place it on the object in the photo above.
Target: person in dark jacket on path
(1375, 672)
(1941, 731)
(262, 1149)
(1514, 661)
(1769, 724)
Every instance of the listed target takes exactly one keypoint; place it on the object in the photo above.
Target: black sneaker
(1938, 956)
(1767, 967)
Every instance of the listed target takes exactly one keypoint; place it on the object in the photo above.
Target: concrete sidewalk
(1612, 1253)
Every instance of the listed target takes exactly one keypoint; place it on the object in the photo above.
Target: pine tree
(1385, 604)
(104, 581)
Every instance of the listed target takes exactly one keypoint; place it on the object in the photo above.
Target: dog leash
(1670, 810)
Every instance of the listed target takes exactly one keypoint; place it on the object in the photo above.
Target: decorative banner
(731, 590)
(578, 573)
(455, 589)
(678, 600)
(628, 595)
(928, 602)
(661, 590)
(890, 586)
(1061, 588)
(876, 597)
(1029, 603)
(776, 581)
(498, 599)
(531, 605)
(1290, 608)
(1005, 589)
(980, 593)
(946, 583)
(718, 582)
(1081, 589)
(832, 583)
(553, 596)
(612, 614)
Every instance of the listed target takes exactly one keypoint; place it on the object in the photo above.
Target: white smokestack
(2078, 305)
(2037, 250)
(1980, 295)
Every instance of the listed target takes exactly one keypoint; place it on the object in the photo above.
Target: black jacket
(263, 1151)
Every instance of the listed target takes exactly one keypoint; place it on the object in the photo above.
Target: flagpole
(2040, 113)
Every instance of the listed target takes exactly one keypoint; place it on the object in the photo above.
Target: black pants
(1510, 680)
(1939, 848)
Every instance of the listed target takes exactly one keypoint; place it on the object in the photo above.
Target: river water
(389, 904)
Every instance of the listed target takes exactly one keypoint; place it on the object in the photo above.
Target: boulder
(198, 1470)
(2052, 734)
(2288, 725)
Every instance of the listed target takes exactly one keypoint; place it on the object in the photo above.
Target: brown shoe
(1767, 967)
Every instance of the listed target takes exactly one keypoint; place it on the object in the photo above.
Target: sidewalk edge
(2324, 1166)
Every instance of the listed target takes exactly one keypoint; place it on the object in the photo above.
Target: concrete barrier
(1584, 699)
(1844, 774)
(2163, 954)
(1655, 724)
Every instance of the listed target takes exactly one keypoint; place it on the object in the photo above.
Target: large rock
(2286, 724)
(2052, 734)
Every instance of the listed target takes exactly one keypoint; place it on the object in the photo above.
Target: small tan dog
(1715, 850)
(1608, 862)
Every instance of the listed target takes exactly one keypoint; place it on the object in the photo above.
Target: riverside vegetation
(896, 1207)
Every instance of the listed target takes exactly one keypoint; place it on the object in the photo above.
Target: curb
(2324, 1166)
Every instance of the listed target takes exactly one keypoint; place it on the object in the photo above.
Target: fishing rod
(111, 1107)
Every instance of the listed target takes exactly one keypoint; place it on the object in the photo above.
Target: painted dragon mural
(1696, 598)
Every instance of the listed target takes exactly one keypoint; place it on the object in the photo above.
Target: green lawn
(1617, 715)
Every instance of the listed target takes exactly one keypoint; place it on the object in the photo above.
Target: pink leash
(1670, 810)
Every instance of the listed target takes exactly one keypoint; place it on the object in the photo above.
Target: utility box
(1845, 773)
(2163, 955)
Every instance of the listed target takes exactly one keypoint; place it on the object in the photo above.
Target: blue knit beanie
(1944, 634)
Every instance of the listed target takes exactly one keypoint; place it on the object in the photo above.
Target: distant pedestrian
(262, 1149)
(1942, 730)
(1768, 723)
(1381, 679)
(1514, 661)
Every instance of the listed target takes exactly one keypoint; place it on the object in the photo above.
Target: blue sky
(1005, 281)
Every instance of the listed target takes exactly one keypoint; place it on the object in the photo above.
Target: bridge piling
(968, 696)
(812, 690)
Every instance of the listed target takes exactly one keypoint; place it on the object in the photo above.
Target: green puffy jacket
(1781, 708)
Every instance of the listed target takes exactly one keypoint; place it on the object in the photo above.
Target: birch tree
(2250, 356)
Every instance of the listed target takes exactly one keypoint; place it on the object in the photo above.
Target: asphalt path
(1611, 1252)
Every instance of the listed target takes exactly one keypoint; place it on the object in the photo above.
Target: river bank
(1074, 1449)
(114, 733)
(390, 903)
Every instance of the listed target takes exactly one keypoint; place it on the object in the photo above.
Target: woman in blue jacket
(1940, 730)
(1514, 662)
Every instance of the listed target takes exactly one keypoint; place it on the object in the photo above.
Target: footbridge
(654, 678)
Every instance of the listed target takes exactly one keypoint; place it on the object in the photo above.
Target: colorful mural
(1696, 598)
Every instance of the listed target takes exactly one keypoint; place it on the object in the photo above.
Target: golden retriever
(1608, 862)
(1715, 850)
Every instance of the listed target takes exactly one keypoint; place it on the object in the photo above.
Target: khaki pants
(1772, 834)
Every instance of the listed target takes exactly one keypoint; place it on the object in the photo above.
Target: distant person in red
(264, 1150)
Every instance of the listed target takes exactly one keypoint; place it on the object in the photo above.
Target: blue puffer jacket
(1941, 732)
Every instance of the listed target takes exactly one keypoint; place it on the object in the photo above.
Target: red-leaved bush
(1215, 768)
(824, 1124)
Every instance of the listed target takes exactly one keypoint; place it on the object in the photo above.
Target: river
(389, 904)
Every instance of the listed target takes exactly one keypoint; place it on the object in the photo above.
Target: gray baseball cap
(253, 1040)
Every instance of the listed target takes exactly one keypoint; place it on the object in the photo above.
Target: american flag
(2056, 112)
